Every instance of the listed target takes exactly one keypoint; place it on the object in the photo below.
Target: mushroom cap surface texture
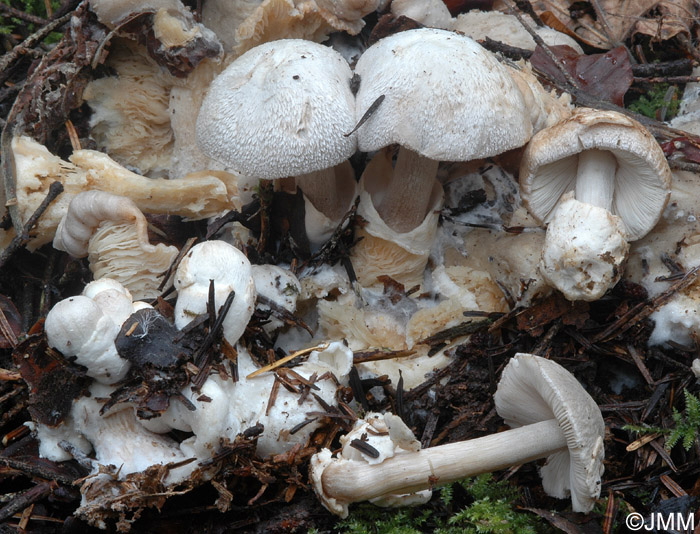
(281, 109)
(445, 97)
(533, 389)
(642, 179)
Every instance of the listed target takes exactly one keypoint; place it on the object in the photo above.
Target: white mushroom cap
(642, 180)
(230, 270)
(533, 389)
(281, 109)
(78, 327)
(445, 97)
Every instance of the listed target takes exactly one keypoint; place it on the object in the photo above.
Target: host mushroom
(445, 98)
(112, 232)
(229, 270)
(599, 180)
(283, 109)
(551, 416)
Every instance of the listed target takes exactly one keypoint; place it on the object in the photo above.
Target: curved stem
(352, 481)
(407, 198)
(595, 178)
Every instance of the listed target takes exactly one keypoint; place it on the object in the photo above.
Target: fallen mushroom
(292, 100)
(618, 183)
(551, 416)
(111, 231)
(35, 168)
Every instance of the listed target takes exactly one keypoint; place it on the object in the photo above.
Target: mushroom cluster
(399, 164)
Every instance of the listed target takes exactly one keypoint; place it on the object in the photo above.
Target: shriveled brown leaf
(606, 76)
(683, 145)
(53, 381)
(612, 26)
(670, 18)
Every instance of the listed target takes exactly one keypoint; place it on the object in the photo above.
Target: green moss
(489, 509)
(653, 101)
(10, 25)
(686, 424)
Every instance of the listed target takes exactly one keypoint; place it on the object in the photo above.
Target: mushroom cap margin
(534, 389)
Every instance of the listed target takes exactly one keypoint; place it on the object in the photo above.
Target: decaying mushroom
(111, 231)
(507, 29)
(551, 416)
(292, 100)
(194, 197)
(244, 24)
(599, 180)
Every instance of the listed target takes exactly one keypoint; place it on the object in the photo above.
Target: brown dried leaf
(606, 76)
(684, 145)
(535, 319)
(614, 23)
(53, 381)
(669, 20)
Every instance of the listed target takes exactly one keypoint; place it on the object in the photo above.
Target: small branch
(667, 79)
(684, 166)
(27, 498)
(21, 239)
(569, 79)
(25, 46)
(27, 17)
(677, 67)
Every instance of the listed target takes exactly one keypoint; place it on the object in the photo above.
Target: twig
(27, 17)
(665, 68)
(684, 166)
(21, 239)
(667, 79)
(22, 48)
(30, 496)
(569, 79)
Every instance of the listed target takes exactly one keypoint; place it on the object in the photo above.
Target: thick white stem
(320, 188)
(595, 178)
(410, 472)
(407, 198)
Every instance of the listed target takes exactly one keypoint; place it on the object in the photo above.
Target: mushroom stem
(595, 178)
(407, 198)
(351, 481)
(321, 189)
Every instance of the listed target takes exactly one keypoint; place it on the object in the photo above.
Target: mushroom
(291, 99)
(439, 104)
(388, 436)
(230, 271)
(194, 197)
(84, 327)
(551, 416)
(112, 232)
(507, 29)
(431, 93)
(619, 182)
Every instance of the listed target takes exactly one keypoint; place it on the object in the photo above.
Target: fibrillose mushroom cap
(533, 389)
(445, 97)
(643, 178)
(281, 109)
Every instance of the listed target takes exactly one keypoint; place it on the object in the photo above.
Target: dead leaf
(605, 29)
(53, 381)
(684, 145)
(606, 76)
(669, 20)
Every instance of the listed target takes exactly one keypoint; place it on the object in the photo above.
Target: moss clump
(655, 100)
(474, 505)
